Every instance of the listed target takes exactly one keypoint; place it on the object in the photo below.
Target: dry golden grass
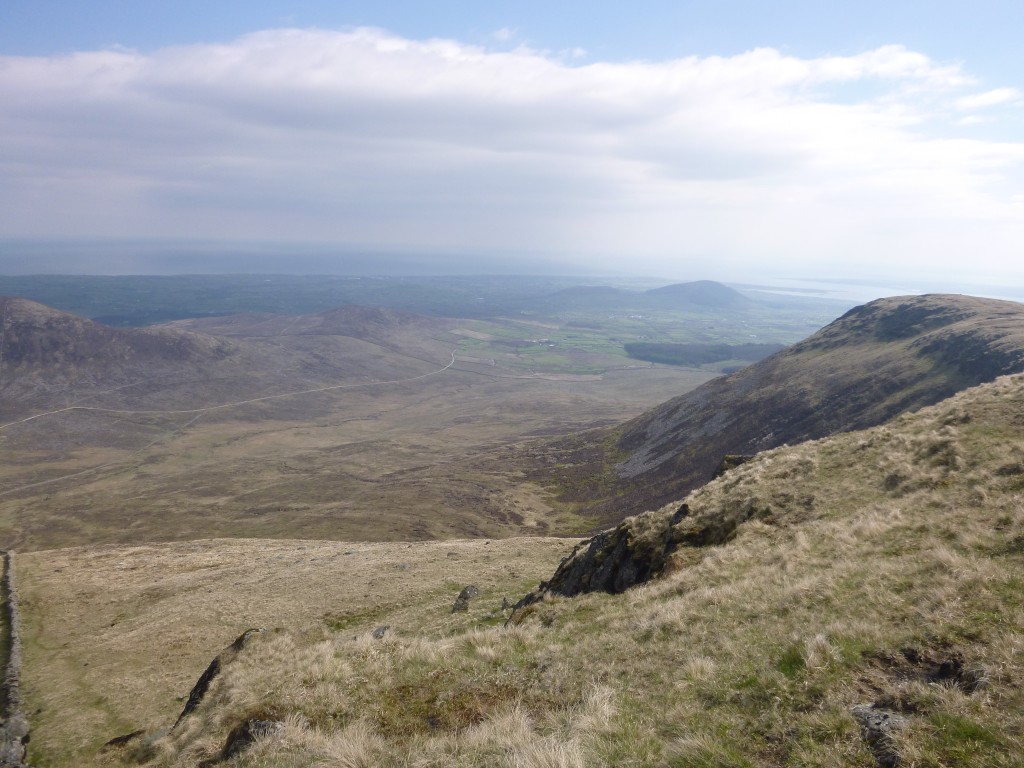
(841, 587)
(115, 636)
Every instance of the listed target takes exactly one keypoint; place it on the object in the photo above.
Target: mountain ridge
(875, 362)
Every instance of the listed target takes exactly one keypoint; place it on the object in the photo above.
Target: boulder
(462, 601)
(633, 552)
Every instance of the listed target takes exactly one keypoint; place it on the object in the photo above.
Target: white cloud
(993, 98)
(367, 138)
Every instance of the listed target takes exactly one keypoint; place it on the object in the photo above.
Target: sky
(725, 140)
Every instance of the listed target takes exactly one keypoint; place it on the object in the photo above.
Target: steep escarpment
(876, 361)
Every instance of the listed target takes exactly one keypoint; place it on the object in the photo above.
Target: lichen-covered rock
(462, 601)
(878, 727)
(613, 561)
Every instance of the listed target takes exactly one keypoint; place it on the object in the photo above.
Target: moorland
(338, 477)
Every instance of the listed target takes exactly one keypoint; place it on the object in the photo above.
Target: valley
(353, 423)
(338, 479)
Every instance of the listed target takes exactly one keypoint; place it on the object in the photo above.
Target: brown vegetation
(840, 593)
(390, 437)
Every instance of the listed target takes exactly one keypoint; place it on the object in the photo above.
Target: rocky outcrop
(637, 550)
(120, 741)
(633, 552)
(202, 685)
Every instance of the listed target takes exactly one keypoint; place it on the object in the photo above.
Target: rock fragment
(878, 728)
(462, 601)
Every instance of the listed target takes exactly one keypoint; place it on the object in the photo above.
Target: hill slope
(876, 361)
(864, 610)
(44, 351)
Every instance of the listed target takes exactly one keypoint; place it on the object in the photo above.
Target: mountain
(34, 336)
(850, 602)
(50, 358)
(876, 361)
(46, 355)
(702, 293)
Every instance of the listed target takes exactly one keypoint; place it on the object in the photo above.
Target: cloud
(992, 98)
(368, 139)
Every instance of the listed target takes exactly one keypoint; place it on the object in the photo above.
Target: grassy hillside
(874, 575)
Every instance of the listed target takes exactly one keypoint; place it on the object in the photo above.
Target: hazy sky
(689, 140)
